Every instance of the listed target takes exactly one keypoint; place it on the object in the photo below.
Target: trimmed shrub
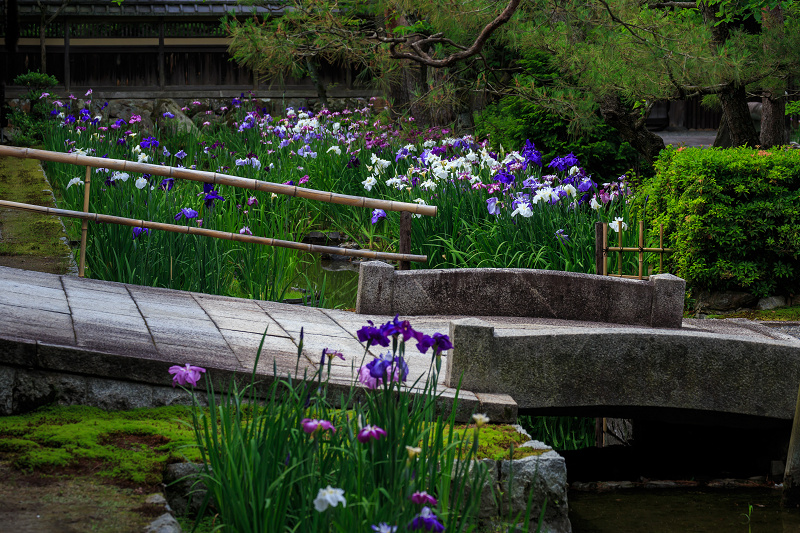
(731, 215)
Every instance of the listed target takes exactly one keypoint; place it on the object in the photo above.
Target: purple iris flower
(439, 150)
(491, 205)
(185, 375)
(167, 184)
(401, 154)
(565, 163)
(252, 201)
(379, 365)
(149, 142)
(562, 236)
(377, 215)
(504, 176)
(427, 520)
(531, 183)
(372, 335)
(422, 498)
(168, 115)
(441, 342)
(187, 212)
(531, 154)
(139, 231)
(211, 195)
(399, 327)
(586, 185)
(180, 155)
(354, 162)
(385, 365)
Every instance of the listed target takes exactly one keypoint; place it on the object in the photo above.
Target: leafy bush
(732, 216)
(30, 127)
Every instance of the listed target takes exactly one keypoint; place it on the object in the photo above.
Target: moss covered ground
(126, 447)
(781, 314)
(133, 447)
(29, 240)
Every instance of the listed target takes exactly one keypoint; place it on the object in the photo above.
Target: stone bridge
(75, 340)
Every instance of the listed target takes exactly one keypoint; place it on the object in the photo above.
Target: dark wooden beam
(161, 67)
(66, 56)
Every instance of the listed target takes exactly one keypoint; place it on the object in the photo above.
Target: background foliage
(732, 216)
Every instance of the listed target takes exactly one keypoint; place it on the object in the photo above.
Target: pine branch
(419, 44)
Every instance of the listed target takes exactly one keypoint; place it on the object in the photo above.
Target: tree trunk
(773, 109)
(773, 113)
(630, 128)
(737, 115)
(313, 73)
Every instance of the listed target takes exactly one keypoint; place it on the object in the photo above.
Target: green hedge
(731, 215)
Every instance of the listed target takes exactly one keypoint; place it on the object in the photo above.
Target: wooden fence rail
(407, 209)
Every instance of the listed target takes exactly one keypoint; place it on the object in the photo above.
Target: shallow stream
(695, 510)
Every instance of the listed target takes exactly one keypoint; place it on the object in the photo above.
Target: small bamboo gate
(602, 250)
(404, 256)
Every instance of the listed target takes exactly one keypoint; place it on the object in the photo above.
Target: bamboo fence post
(405, 238)
(641, 247)
(619, 253)
(661, 246)
(598, 248)
(85, 223)
(605, 248)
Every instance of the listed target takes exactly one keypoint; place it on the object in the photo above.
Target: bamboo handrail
(634, 249)
(174, 228)
(217, 178)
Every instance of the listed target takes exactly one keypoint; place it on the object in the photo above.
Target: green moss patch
(782, 314)
(495, 442)
(35, 237)
(126, 446)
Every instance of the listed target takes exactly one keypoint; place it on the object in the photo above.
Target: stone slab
(33, 298)
(520, 292)
(619, 368)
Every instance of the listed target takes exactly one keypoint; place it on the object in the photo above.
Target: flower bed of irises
(382, 460)
(495, 208)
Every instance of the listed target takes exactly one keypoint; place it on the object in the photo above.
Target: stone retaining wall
(657, 302)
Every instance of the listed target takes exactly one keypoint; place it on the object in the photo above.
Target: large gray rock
(33, 389)
(113, 395)
(7, 375)
(184, 489)
(165, 523)
(179, 124)
(125, 108)
(724, 301)
(771, 302)
(546, 476)
(488, 507)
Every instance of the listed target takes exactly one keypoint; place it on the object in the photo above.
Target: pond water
(695, 510)
(337, 281)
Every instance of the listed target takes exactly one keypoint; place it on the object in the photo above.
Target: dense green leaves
(732, 216)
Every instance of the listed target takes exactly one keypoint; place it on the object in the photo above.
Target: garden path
(76, 326)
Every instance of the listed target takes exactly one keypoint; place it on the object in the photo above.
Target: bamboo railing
(406, 209)
(602, 250)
